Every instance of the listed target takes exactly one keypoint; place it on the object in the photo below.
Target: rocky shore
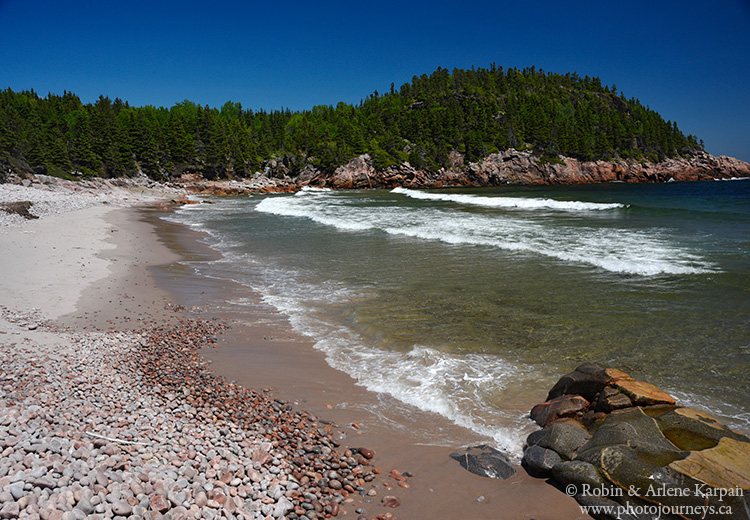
(123, 423)
(132, 424)
(512, 167)
(39, 195)
(627, 450)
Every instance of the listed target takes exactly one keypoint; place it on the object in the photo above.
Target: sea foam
(528, 203)
(645, 252)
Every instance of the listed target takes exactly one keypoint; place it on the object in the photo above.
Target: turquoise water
(470, 303)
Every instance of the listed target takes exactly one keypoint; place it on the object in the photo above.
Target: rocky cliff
(510, 167)
(517, 167)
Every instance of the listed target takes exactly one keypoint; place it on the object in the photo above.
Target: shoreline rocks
(610, 440)
(510, 167)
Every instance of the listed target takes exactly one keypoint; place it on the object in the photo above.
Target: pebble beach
(108, 408)
(115, 424)
(132, 425)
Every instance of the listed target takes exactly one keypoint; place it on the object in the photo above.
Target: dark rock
(565, 437)
(562, 406)
(578, 473)
(633, 429)
(591, 420)
(366, 453)
(587, 380)
(485, 461)
(540, 461)
(612, 399)
(18, 208)
(538, 437)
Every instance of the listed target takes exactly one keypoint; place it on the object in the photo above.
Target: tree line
(474, 112)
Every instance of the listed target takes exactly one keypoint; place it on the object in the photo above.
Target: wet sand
(259, 355)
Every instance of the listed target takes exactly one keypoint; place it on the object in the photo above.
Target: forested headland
(473, 112)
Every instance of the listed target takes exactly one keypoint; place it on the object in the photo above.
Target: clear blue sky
(689, 60)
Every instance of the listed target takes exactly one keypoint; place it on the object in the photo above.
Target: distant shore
(90, 288)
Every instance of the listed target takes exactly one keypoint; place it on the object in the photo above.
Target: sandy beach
(85, 290)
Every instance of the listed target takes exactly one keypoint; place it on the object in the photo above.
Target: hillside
(431, 123)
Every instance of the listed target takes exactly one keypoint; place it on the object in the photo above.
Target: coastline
(135, 280)
(260, 355)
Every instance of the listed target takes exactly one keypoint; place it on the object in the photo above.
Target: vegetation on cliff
(473, 112)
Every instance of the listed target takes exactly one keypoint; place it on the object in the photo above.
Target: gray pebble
(85, 505)
(16, 491)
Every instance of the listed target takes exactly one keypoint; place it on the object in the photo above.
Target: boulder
(485, 461)
(563, 406)
(579, 474)
(642, 394)
(635, 430)
(357, 173)
(612, 399)
(587, 380)
(564, 436)
(539, 461)
(20, 207)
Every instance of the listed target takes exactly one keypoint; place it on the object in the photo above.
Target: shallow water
(470, 303)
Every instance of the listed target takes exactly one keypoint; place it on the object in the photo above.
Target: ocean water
(471, 303)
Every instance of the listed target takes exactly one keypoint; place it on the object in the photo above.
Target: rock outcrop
(485, 461)
(610, 440)
(291, 173)
(523, 168)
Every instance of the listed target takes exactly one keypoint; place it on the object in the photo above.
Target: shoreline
(297, 372)
(128, 293)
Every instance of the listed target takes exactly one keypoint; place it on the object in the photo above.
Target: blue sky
(689, 60)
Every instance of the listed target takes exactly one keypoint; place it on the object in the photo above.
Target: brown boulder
(642, 394)
(563, 406)
(612, 399)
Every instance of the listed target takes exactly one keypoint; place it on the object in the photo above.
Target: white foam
(307, 190)
(455, 387)
(529, 203)
(637, 252)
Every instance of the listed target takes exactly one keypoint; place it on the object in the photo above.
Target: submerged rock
(485, 461)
